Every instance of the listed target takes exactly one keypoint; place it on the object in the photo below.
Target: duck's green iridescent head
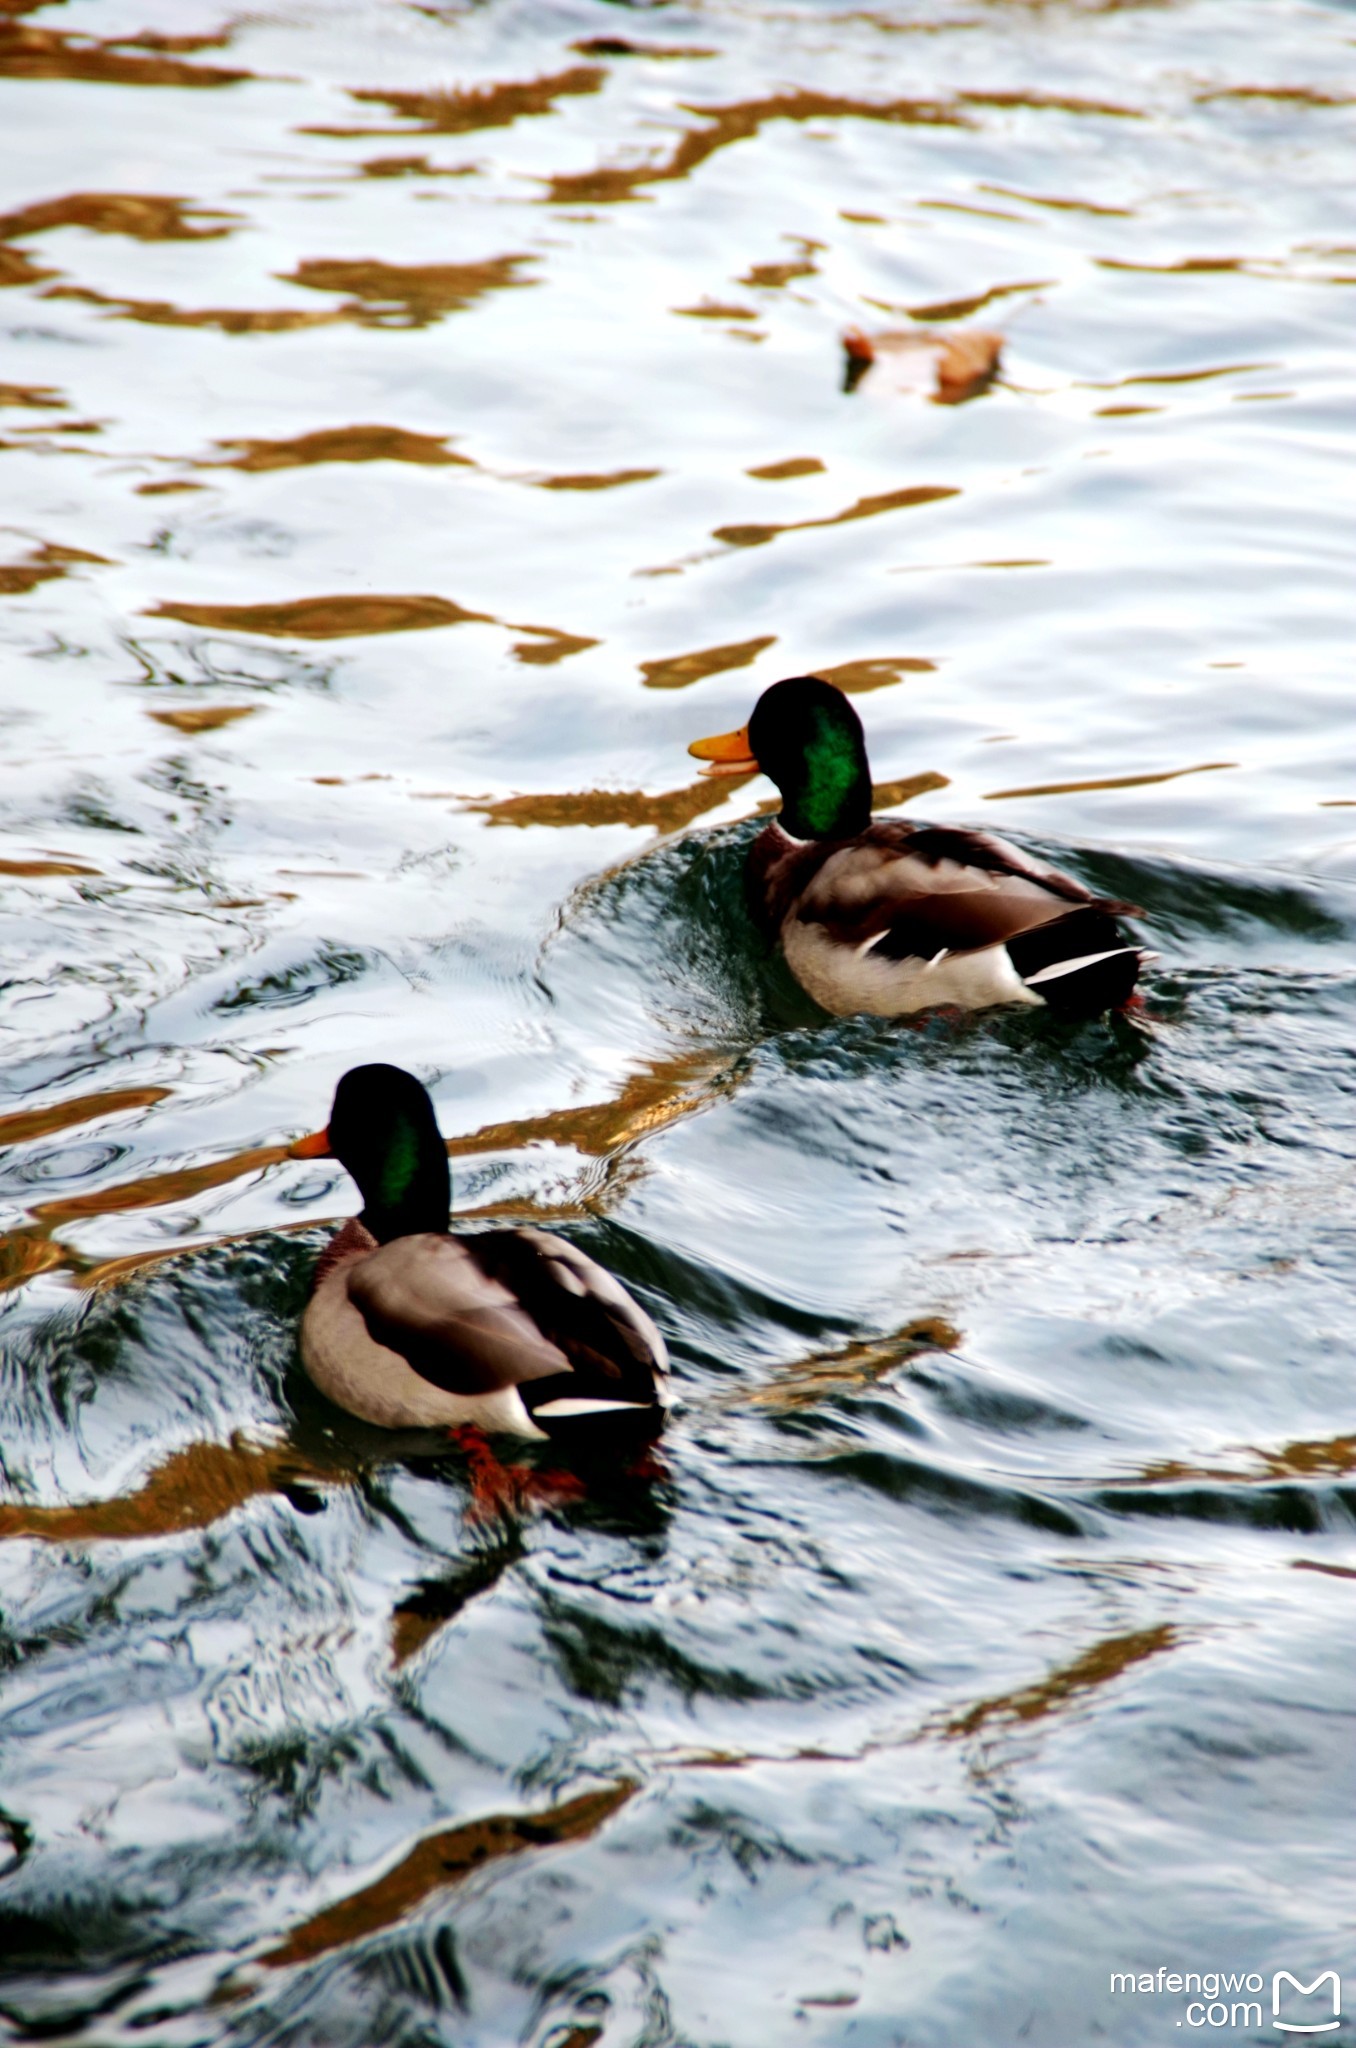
(804, 735)
(384, 1130)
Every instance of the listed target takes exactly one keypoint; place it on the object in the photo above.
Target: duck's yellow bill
(317, 1146)
(726, 753)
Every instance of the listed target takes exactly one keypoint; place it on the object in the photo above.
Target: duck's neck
(412, 1190)
(832, 799)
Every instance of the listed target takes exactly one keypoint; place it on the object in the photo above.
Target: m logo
(1305, 1991)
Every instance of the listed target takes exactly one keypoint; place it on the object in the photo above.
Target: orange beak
(726, 753)
(317, 1146)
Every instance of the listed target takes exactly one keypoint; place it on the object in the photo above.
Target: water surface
(417, 424)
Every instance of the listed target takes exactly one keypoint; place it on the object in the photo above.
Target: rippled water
(417, 423)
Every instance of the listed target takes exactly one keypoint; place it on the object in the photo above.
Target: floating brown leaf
(957, 366)
(967, 364)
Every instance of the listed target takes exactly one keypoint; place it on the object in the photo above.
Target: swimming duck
(889, 917)
(503, 1330)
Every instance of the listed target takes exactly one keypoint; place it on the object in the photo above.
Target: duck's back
(901, 917)
(440, 1330)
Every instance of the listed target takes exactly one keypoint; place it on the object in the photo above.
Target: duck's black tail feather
(597, 1416)
(1080, 964)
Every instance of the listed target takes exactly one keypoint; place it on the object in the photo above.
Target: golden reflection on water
(325, 618)
(1100, 1665)
(44, 564)
(624, 46)
(45, 396)
(863, 205)
(227, 319)
(670, 811)
(19, 1126)
(679, 671)
(29, 52)
(781, 472)
(877, 673)
(810, 1381)
(589, 480)
(190, 1489)
(452, 112)
(340, 444)
(1331, 1457)
(755, 536)
(145, 217)
(56, 866)
(610, 184)
(658, 1093)
(1107, 781)
(440, 1860)
(408, 294)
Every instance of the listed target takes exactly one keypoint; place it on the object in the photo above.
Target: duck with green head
(888, 917)
(411, 1327)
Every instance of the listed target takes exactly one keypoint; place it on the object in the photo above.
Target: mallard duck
(883, 916)
(504, 1330)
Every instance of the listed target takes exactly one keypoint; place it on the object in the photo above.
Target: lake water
(417, 423)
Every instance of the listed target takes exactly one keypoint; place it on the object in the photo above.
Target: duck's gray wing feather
(505, 1307)
(430, 1298)
(923, 889)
